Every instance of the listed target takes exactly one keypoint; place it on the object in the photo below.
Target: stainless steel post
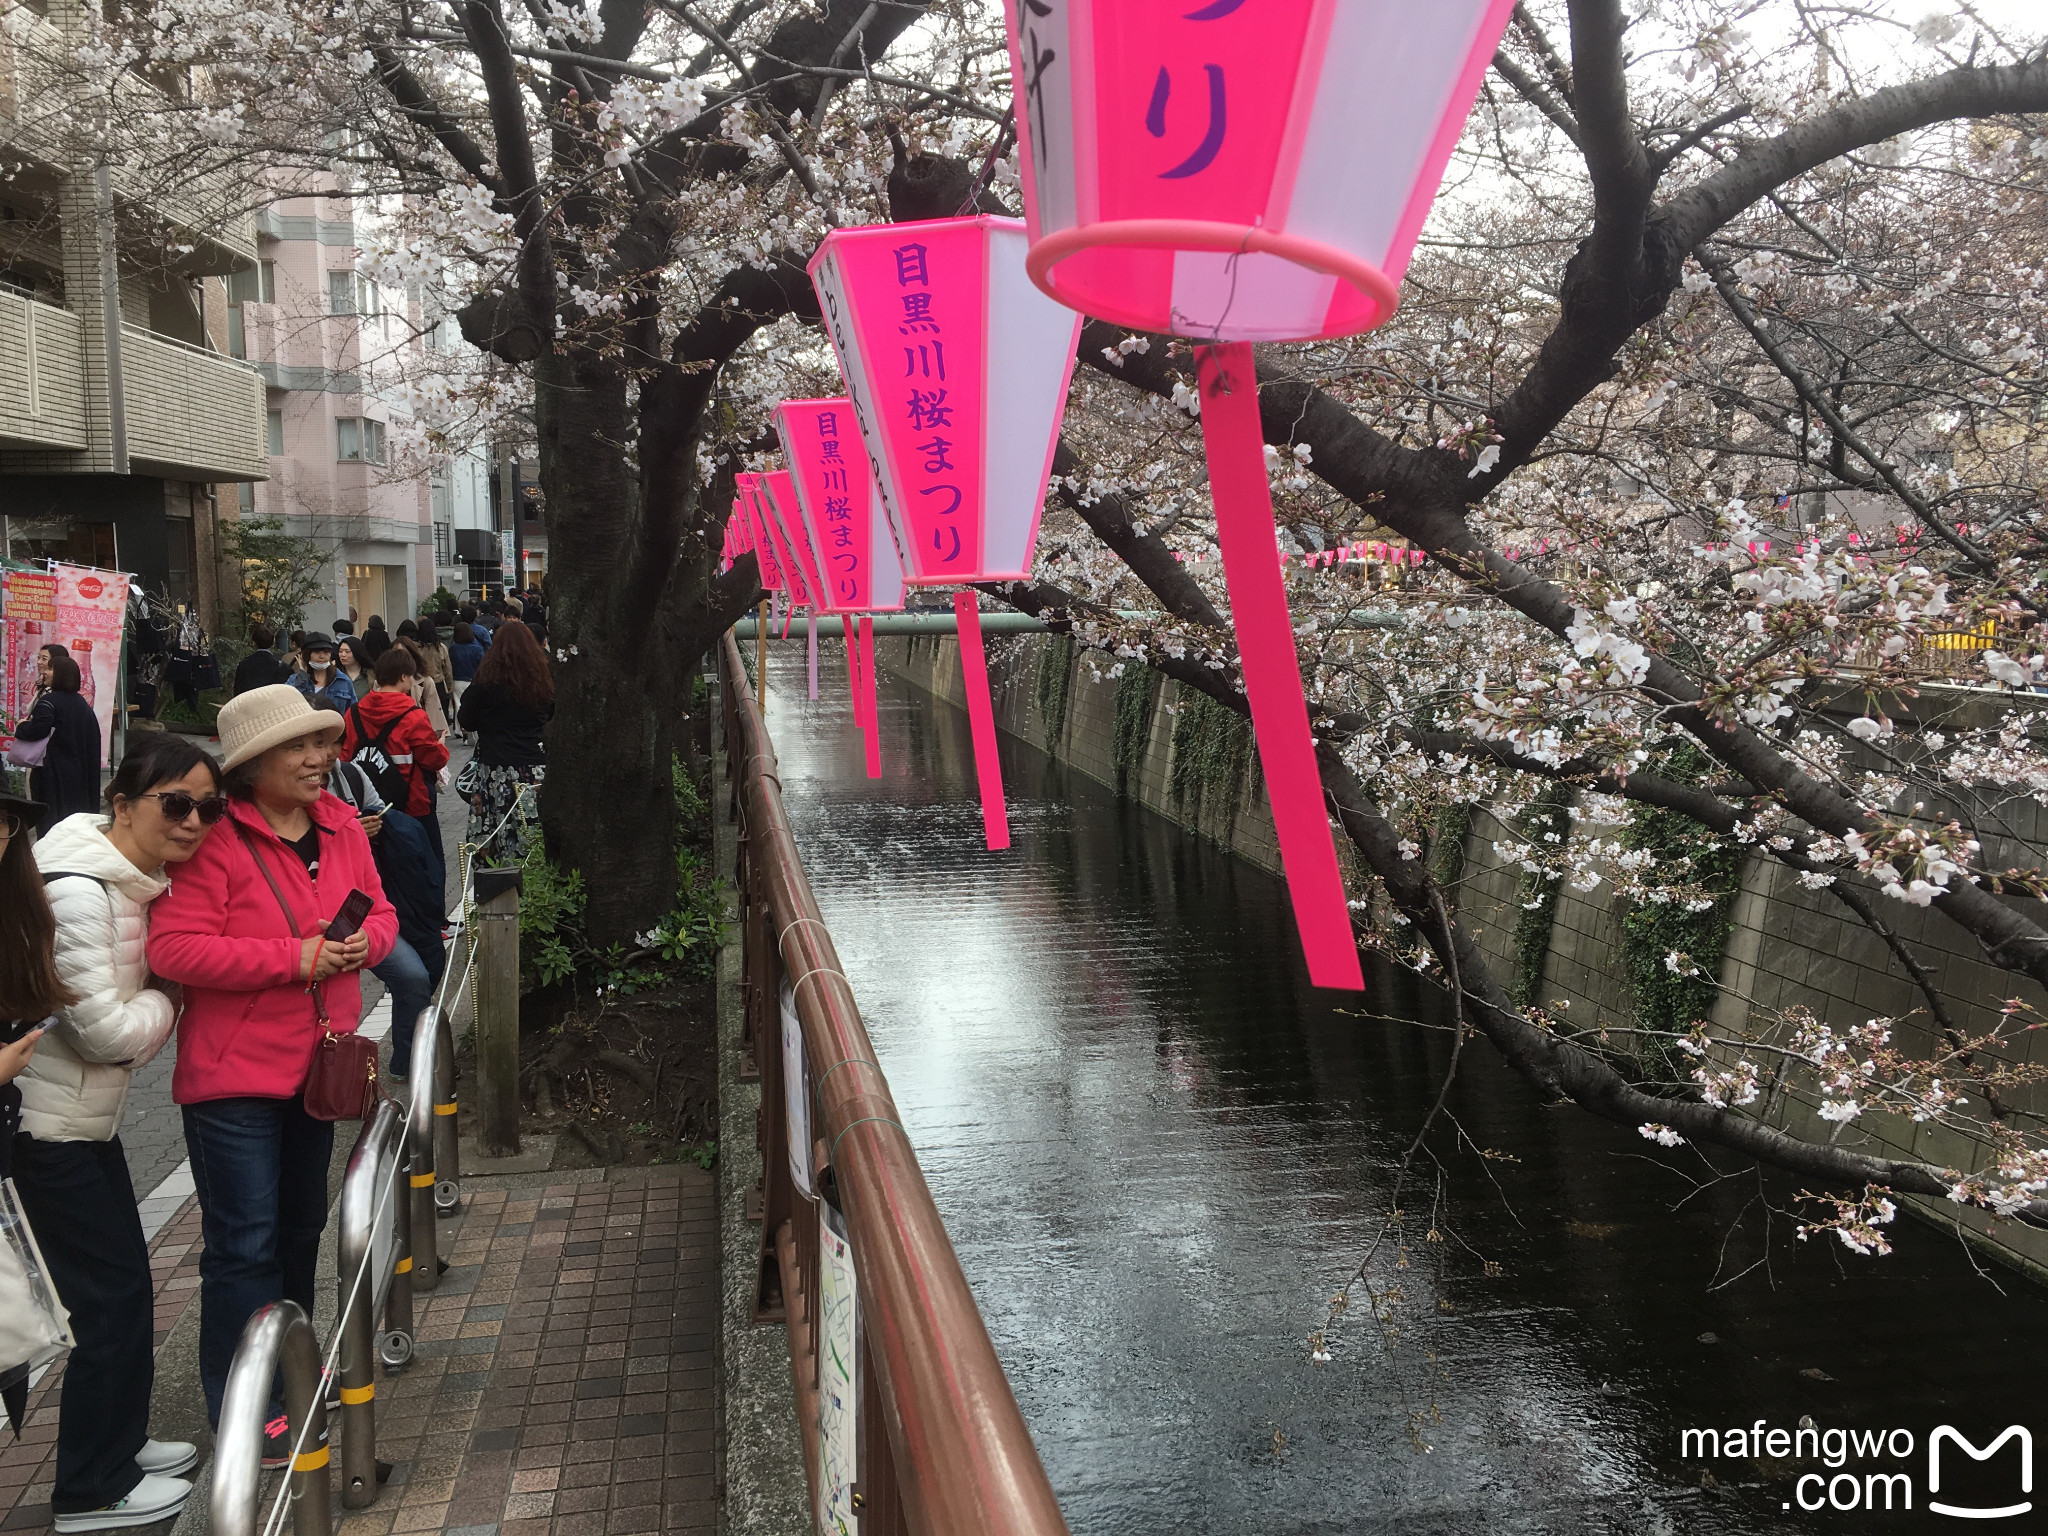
(277, 1336)
(420, 1165)
(395, 1339)
(369, 1196)
(447, 1150)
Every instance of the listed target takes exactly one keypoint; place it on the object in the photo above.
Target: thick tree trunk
(608, 806)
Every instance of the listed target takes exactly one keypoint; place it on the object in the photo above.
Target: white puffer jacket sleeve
(75, 1087)
(116, 1019)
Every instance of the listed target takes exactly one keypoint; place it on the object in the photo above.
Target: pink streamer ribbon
(867, 689)
(981, 715)
(1272, 672)
(853, 669)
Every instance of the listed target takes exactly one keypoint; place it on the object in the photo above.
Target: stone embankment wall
(1788, 948)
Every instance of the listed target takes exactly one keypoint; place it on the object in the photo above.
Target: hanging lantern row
(1241, 171)
(957, 369)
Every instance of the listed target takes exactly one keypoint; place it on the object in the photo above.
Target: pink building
(324, 336)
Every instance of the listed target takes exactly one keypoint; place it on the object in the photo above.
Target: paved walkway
(563, 1381)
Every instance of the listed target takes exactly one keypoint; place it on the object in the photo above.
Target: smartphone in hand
(350, 917)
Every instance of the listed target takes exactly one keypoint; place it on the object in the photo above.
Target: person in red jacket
(256, 985)
(389, 736)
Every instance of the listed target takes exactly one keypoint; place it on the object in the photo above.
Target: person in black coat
(69, 780)
(260, 668)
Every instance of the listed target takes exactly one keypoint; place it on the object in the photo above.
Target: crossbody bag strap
(256, 853)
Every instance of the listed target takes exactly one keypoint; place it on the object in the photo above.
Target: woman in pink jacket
(251, 1020)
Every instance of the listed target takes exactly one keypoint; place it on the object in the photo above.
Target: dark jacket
(465, 659)
(69, 780)
(413, 874)
(258, 669)
(509, 734)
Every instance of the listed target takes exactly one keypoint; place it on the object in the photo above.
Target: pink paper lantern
(840, 507)
(1239, 171)
(957, 368)
(795, 579)
(748, 515)
(775, 501)
(958, 371)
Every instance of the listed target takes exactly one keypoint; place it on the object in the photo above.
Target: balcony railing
(42, 375)
(192, 410)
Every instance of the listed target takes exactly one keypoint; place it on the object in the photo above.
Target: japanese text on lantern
(930, 472)
(841, 554)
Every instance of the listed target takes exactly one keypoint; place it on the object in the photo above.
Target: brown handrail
(956, 1459)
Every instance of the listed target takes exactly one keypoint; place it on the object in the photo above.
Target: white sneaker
(167, 1458)
(150, 1501)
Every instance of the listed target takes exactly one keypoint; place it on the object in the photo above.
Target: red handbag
(343, 1082)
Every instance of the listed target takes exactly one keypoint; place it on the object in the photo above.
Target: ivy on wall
(1548, 813)
(1665, 1000)
(1133, 721)
(1055, 674)
(1212, 749)
(1447, 849)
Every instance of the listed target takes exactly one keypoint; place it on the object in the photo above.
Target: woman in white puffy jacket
(100, 874)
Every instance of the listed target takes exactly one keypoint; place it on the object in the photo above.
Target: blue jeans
(260, 1168)
(411, 985)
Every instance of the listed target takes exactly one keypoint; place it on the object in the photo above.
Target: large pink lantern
(1232, 172)
(859, 571)
(957, 368)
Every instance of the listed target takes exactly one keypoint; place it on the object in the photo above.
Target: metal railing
(277, 1337)
(908, 1420)
(402, 1174)
(376, 1285)
(433, 1164)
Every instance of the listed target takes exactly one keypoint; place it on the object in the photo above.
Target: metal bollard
(419, 1150)
(375, 1280)
(277, 1337)
(447, 1152)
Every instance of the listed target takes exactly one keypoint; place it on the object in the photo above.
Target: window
(350, 293)
(246, 497)
(273, 433)
(258, 285)
(359, 440)
(444, 544)
(437, 487)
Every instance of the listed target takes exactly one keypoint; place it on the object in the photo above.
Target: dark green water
(1159, 1152)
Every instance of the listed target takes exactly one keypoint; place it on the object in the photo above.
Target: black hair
(464, 635)
(157, 758)
(394, 666)
(64, 674)
(262, 636)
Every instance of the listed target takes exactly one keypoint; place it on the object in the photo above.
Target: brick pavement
(28, 1466)
(563, 1381)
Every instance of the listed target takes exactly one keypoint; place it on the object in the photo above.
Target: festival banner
(92, 606)
(28, 622)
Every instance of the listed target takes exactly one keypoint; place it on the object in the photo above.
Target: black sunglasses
(177, 805)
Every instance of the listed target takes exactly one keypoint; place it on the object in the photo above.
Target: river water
(1160, 1152)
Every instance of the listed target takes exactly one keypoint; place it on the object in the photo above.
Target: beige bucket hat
(262, 718)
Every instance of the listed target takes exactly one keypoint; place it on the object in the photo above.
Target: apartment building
(331, 345)
(122, 421)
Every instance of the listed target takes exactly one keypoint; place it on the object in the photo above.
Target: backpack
(390, 772)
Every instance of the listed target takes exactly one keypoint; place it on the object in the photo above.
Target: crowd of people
(192, 898)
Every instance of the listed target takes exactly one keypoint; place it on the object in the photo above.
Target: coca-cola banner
(91, 607)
